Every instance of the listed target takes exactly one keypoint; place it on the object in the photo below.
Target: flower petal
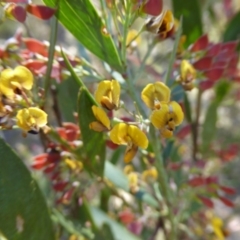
(137, 136)
(118, 134)
(5, 82)
(159, 117)
(32, 117)
(178, 113)
(130, 153)
(103, 88)
(188, 72)
(101, 116)
(155, 92)
(39, 115)
(116, 89)
(24, 77)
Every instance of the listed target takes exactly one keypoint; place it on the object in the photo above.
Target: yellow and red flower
(108, 94)
(130, 135)
(155, 93)
(15, 80)
(31, 119)
(187, 75)
(167, 118)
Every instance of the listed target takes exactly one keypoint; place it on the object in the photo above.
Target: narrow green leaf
(191, 14)
(222, 89)
(188, 113)
(70, 226)
(24, 214)
(116, 176)
(209, 126)
(232, 31)
(82, 20)
(147, 198)
(119, 231)
(94, 143)
(68, 89)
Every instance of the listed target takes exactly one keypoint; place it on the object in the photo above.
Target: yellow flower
(130, 135)
(150, 175)
(31, 119)
(74, 165)
(133, 181)
(12, 80)
(132, 39)
(128, 169)
(108, 94)
(162, 25)
(187, 75)
(217, 225)
(154, 93)
(102, 123)
(167, 117)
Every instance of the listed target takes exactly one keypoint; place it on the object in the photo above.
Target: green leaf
(222, 89)
(82, 20)
(68, 89)
(209, 126)
(24, 214)
(187, 106)
(116, 176)
(70, 226)
(94, 142)
(191, 14)
(232, 31)
(147, 198)
(119, 231)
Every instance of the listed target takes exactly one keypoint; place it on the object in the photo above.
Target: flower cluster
(135, 179)
(166, 114)
(61, 164)
(15, 86)
(107, 96)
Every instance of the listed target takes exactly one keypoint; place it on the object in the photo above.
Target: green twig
(125, 30)
(174, 52)
(53, 37)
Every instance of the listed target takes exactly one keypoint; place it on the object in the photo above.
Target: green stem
(125, 30)
(162, 178)
(76, 78)
(174, 52)
(195, 126)
(53, 37)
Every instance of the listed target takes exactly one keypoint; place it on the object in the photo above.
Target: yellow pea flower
(154, 93)
(187, 75)
(74, 165)
(167, 117)
(128, 169)
(13, 80)
(133, 181)
(102, 123)
(217, 225)
(162, 25)
(150, 175)
(31, 119)
(130, 135)
(108, 94)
